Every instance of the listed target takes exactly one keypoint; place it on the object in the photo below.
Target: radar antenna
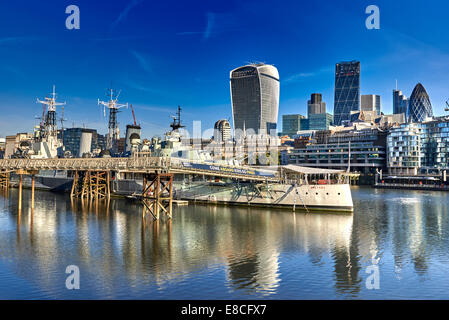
(113, 106)
(177, 120)
(49, 123)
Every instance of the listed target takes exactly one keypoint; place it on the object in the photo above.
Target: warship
(296, 187)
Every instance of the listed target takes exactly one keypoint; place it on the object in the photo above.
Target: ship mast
(177, 120)
(50, 127)
(113, 106)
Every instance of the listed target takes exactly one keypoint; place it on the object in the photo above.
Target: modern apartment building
(404, 149)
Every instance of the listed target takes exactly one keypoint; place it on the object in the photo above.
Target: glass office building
(347, 91)
(255, 98)
(419, 107)
(291, 124)
(320, 121)
(72, 139)
(400, 102)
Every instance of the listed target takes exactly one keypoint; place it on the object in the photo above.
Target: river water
(394, 246)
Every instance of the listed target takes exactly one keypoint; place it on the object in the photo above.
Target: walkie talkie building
(255, 97)
(347, 91)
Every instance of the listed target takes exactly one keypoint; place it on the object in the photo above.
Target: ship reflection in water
(214, 252)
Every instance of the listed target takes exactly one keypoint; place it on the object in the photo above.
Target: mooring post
(108, 185)
(170, 210)
(74, 185)
(97, 177)
(158, 192)
(20, 191)
(33, 181)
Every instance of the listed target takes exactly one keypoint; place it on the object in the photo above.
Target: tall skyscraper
(400, 102)
(347, 90)
(255, 97)
(370, 102)
(315, 105)
(419, 107)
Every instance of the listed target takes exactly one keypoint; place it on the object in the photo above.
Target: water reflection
(217, 252)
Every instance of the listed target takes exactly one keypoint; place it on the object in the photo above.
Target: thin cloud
(215, 24)
(156, 109)
(188, 33)
(305, 75)
(125, 12)
(134, 85)
(299, 76)
(210, 24)
(143, 62)
(14, 40)
(124, 38)
(14, 71)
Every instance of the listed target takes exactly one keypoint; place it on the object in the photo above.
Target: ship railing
(414, 185)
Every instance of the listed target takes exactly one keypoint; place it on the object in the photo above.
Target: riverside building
(415, 148)
(365, 148)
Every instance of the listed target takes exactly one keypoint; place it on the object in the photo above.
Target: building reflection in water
(123, 254)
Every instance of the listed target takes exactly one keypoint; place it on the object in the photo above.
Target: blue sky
(162, 54)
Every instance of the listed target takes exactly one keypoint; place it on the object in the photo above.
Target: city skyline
(152, 50)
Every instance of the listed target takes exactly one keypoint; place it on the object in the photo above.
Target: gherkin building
(419, 105)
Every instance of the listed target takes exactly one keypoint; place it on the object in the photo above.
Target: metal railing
(132, 164)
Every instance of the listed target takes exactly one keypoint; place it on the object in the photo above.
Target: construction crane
(134, 115)
(447, 106)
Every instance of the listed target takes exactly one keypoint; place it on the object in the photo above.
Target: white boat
(302, 188)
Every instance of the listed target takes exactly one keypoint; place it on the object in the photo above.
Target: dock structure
(91, 184)
(157, 194)
(137, 165)
(4, 180)
(92, 176)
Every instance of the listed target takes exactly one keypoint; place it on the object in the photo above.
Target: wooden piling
(20, 191)
(33, 181)
(154, 198)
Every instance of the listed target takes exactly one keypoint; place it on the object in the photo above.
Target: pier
(92, 176)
